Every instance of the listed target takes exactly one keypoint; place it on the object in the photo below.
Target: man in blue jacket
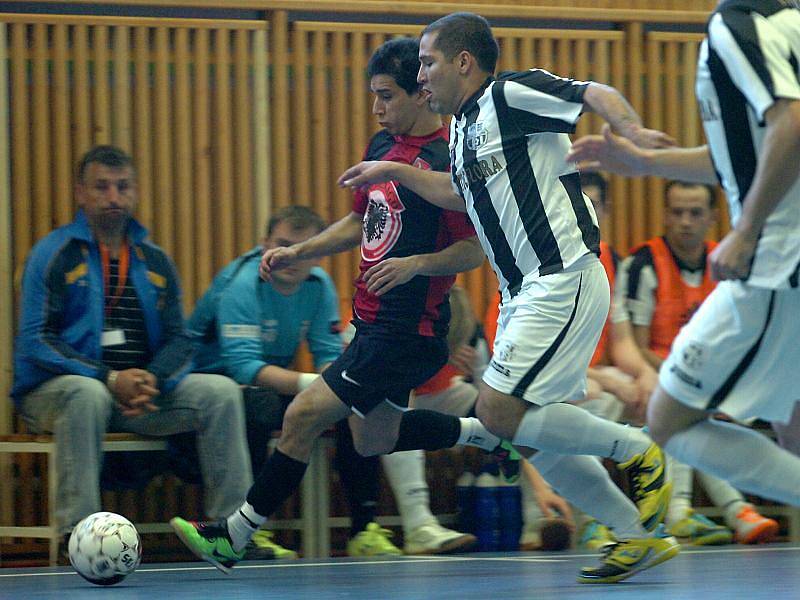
(102, 347)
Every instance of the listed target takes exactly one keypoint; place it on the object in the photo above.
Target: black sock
(427, 430)
(278, 479)
(359, 476)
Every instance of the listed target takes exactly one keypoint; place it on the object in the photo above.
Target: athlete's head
(689, 212)
(292, 225)
(399, 101)
(456, 54)
(105, 188)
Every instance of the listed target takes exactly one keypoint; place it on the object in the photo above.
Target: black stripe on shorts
(722, 393)
(539, 365)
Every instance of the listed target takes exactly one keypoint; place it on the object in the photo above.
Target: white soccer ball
(104, 548)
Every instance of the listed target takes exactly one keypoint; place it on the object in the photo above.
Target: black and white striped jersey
(507, 154)
(748, 60)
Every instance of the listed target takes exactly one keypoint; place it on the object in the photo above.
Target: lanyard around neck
(122, 273)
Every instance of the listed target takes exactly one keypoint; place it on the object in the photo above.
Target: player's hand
(608, 152)
(134, 391)
(390, 273)
(549, 502)
(646, 382)
(275, 259)
(652, 138)
(367, 172)
(732, 258)
(464, 358)
(138, 406)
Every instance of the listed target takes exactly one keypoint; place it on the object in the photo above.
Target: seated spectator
(102, 348)
(664, 281)
(251, 329)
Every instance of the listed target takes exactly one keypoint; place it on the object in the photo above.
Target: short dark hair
(712, 193)
(110, 156)
(591, 178)
(466, 31)
(399, 59)
(298, 218)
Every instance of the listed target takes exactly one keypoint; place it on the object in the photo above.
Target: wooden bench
(315, 502)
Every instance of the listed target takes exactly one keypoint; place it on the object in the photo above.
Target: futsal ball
(104, 548)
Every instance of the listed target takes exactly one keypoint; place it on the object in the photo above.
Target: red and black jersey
(397, 223)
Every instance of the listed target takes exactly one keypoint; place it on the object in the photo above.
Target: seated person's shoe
(262, 547)
(596, 536)
(650, 489)
(208, 540)
(628, 557)
(700, 531)
(373, 541)
(753, 528)
(432, 538)
(62, 559)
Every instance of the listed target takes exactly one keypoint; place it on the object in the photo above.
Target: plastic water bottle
(487, 513)
(465, 498)
(509, 501)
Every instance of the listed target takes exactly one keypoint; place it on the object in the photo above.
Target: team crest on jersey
(421, 164)
(693, 356)
(476, 135)
(382, 222)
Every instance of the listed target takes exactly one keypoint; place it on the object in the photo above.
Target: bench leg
(52, 493)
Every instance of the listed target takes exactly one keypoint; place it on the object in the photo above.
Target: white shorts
(547, 333)
(739, 354)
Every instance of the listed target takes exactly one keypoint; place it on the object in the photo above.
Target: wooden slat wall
(671, 60)
(195, 80)
(228, 120)
(178, 95)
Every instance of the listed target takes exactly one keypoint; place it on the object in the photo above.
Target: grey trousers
(80, 410)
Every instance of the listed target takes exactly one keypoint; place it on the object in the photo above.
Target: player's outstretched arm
(463, 255)
(607, 102)
(341, 235)
(433, 186)
(611, 152)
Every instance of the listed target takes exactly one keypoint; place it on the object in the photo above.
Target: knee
(487, 411)
(221, 393)
(666, 417)
(301, 421)
(85, 397)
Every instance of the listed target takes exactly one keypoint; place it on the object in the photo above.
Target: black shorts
(383, 365)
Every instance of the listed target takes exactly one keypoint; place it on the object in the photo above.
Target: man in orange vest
(664, 281)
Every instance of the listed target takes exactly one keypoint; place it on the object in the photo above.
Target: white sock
(568, 429)
(681, 502)
(723, 495)
(473, 433)
(406, 474)
(584, 481)
(748, 460)
(242, 524)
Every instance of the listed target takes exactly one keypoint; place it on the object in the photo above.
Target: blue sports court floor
(730, 572)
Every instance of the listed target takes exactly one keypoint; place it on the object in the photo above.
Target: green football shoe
(507, 459)
(209, 541)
